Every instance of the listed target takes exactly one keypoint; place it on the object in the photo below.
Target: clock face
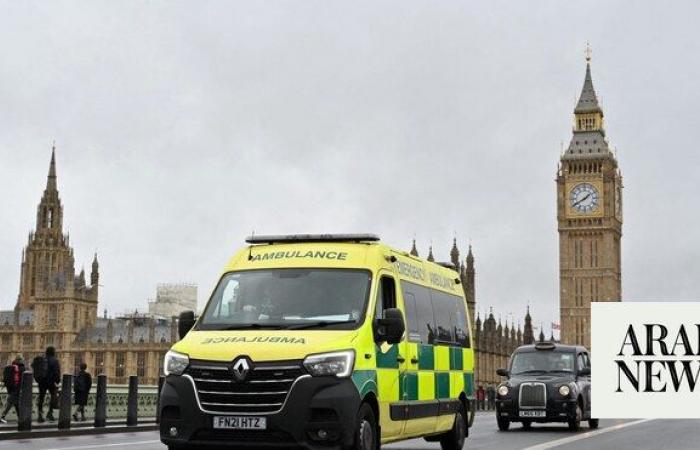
(584, 198)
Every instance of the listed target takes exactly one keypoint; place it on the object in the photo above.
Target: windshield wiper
(530, 371)
(319, 324)
(254, 326)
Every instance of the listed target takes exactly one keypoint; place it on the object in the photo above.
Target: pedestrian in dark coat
(81, 388)
(48, 383)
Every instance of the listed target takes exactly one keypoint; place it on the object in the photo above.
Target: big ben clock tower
(589, 216)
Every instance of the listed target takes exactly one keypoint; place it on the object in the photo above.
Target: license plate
(533, 413)
(240, 423)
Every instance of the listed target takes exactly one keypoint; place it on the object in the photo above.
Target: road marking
(586, 435)
(123, 444)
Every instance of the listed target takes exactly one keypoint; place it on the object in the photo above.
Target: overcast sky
(181, 127)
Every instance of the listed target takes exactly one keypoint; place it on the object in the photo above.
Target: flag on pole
(556, 326)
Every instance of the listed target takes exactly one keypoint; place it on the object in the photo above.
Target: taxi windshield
(288, 298)
(542, 361)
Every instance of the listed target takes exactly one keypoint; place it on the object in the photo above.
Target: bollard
(24, 421)
(64, 402)
(161, 381)
(101, 402)
(132, 405)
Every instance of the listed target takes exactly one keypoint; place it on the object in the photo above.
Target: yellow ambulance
(322, 341)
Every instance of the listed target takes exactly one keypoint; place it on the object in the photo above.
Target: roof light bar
(274, 239)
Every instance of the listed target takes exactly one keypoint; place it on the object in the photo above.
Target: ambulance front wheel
(366, 432)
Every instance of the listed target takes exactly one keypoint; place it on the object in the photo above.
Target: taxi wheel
(366, 435)
(454, 439)
(527, 424)
(503, 424)
(593, 423)
(575, 424)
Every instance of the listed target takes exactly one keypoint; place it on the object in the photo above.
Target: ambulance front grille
(264, 390)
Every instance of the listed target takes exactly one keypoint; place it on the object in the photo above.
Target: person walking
(480, 397)
(47, 373)
(491, 396)
(12, 379)
(81, 388)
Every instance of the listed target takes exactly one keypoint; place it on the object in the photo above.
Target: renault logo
(240, 368)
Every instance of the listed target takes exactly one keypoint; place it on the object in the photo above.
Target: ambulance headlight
(175, 363)
(339, 364)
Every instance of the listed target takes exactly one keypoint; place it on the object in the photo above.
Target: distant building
(172, 299)
(57, 307)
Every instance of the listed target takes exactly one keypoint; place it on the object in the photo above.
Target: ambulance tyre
(366, 433)
(454, 439)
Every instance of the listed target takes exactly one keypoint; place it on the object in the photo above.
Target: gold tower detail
(589, 216)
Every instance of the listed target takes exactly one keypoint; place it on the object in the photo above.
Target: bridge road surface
(612, 434)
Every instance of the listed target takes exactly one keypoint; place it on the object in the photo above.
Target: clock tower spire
(589, 217)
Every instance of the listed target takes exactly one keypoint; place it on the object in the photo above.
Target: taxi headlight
(503, 390)
(564, 390)
(175, 363)
(339, 364)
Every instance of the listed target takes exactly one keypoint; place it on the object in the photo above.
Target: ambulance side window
(443, 307)
(386, 296)
(459, 323)
(409, 301)
(422, 316)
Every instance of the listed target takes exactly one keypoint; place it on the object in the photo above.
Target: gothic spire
(588, 100)
(51, 179)
(431, 258)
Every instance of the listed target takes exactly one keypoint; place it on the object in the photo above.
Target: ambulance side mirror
(185, 323)
(391, 327)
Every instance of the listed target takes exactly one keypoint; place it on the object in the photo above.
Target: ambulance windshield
(288, 298)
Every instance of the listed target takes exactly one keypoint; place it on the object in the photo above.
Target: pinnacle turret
(414, 250)
(454, 254)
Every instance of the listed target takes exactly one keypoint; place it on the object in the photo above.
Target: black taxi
(546, 382)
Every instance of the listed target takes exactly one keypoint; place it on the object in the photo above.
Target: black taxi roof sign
(296, 238)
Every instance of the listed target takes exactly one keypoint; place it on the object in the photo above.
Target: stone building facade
(493, 342)
(589, 216)
(59, 308)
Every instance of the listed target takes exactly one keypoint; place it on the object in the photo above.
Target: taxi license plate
(533, 413)
(240, 423)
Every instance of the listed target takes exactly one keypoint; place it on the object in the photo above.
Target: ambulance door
(418, 384)
(390, 361)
